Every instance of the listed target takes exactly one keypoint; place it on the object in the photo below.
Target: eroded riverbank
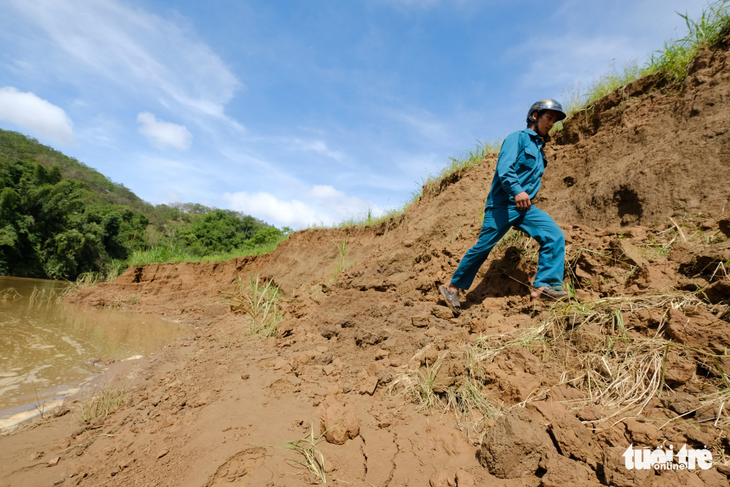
(49, 349)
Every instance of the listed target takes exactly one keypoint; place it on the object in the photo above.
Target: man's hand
(523, 201)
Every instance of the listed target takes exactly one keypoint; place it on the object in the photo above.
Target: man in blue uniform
(516, 181)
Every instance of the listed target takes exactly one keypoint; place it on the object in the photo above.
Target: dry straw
(621, 372)
(464, 397)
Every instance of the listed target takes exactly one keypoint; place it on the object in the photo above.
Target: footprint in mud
(281, 387)
(239, 468)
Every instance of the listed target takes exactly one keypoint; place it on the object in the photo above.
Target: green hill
(60, 218)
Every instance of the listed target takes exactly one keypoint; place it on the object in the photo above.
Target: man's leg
(551, 264)
(495, 226)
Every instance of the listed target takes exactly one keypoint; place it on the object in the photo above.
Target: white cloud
(102, 131)
(324, 205)
(292, 213)
(132, 48)
(305, 145)
(161, 179)
(162, 134)
(422, 123)
(36, 115)
(320, 147)
(174, 196)
(559, 66)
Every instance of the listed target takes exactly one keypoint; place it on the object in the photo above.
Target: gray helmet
(546, 104)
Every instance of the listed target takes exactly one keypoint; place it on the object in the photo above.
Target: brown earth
(521, 393)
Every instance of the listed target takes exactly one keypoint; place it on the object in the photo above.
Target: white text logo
(686, 458)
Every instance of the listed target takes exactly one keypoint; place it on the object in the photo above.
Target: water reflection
(47, 347)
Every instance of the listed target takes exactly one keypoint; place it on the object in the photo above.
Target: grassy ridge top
(671, 62)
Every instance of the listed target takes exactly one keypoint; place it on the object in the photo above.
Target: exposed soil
(640, 187)
(643, 154)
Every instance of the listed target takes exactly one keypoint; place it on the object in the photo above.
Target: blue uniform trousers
(537, 224)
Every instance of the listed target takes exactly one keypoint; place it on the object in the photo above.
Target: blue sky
(300, 112)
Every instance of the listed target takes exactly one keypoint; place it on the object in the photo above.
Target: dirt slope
(520, 392)
(641, 155)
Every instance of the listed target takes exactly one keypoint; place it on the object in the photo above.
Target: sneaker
(551, 293)
(452, 299)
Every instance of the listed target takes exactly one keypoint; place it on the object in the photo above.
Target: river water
(49, 349)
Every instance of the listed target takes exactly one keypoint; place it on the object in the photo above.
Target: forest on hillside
(60, 218)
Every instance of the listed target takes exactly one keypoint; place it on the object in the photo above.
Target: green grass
(167, 254)
(369, 219)
(161, 255)
(341, 266)
(158, 255)
(469, 159)
(674, 58)
(671, 62)
(613, 80)
(309, 456)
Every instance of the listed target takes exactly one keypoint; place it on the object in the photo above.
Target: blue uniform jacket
(520, 167)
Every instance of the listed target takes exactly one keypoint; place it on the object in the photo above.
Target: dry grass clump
(622, 374)
(473, 409)
(517, 239)
(419, 383)
(309, 455)
(426, 386)
(690, 229)
(106, 400)
(259, 300)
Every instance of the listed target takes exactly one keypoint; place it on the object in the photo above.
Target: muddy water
(49, 349)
